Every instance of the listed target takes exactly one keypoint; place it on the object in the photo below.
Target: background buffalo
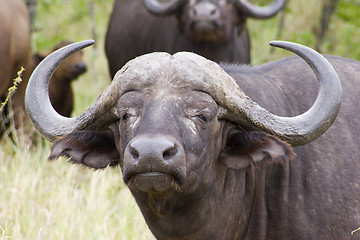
(216, 30)
(58, 201)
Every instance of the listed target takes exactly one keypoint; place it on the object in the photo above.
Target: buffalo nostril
(169, 153)
(134, 153)
(213, 12)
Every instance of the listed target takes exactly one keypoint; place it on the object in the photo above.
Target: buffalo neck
(201, 215)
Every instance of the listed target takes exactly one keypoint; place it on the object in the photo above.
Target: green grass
(57, 200)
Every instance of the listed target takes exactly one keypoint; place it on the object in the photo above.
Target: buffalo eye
(125, 116)
(203, 118)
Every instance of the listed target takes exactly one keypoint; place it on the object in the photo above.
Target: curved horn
(162, 8)
(260, 12)
(297, 130)
(37, 101)
(305, 127)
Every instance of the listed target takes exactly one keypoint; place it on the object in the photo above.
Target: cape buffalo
(212, 28)
(203, 160)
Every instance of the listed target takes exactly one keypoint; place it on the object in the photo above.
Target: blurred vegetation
(41, 200)
(302, 25)
(12, 89)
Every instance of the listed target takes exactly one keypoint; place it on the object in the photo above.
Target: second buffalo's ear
(95, 149)
(245, 149)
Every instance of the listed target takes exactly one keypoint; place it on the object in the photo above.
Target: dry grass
(42, 200)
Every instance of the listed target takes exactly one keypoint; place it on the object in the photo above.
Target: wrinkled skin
(202, 177)
(133, 31)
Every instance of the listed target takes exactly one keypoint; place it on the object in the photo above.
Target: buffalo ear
(245, 149)
(94, 149)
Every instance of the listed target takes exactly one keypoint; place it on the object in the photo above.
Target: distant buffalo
(215, 29)
(203, 160)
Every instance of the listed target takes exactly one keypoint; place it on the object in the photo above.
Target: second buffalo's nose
(80, 67)
(204, 10)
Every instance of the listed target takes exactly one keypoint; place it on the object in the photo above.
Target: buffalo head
(211, 21)
(176, 124)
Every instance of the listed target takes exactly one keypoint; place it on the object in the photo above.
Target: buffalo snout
(154, 163)
(205, 17)
(205, 10)
(79, 68)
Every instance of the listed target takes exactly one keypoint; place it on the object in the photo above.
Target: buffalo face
(208, 21)
(212, 21)
(165, 139)
(169, 142)
(169, 135)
